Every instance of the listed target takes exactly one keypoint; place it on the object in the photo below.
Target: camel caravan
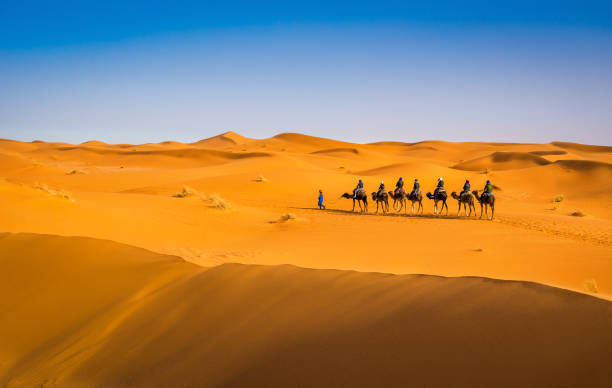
(466, 198)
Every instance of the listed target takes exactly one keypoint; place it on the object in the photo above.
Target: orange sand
(118, 304)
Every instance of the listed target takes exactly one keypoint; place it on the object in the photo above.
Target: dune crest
(112, 314)
(224, 140)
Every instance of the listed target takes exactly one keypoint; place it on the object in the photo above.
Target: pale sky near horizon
(136, 72)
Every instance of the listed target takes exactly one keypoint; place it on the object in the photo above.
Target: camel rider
(488, 189)
(399, 186)
(440, 186)
(381, 188)
(416, 188)
(356, 189)
(466, 187)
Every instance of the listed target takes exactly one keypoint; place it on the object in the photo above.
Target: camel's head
(373, 195)
(346, 195)
(454, 195)
(429, 195)
(475, 192)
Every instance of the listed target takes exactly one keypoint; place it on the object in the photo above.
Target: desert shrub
(261, 178)
(287, 217)
(558, 198)
(591, 285)
(188, 192)
(60, 193)
(578, 213)
(487, 171)
(217, 202)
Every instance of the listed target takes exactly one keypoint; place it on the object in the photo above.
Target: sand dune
(582, 147)
(223, 141)
(585, 165)
(548, 152)
(502, 160)
(87, 312)
(340, 151)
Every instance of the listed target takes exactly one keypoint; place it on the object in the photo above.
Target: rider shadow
(352, 213)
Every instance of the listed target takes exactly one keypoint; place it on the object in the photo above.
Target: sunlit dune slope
(86, 312)
(223, 141)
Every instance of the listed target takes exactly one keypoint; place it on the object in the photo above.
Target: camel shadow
(351, 213)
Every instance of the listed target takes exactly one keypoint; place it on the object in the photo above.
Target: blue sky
(359, 71)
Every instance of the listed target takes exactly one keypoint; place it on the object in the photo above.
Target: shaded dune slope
(175, 157)
(86, 312)
(582, 147)
(502, 160)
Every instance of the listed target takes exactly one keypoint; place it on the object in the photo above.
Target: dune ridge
(582, 147)
(503, 160)
(164, 322)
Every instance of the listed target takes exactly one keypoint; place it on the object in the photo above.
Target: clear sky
(140, 71)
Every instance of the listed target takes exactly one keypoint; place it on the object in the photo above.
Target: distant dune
(337, 151)
(582, 147)
(548, 152)
(227, 139)
(585, 165)
(87, 312)
(503, 160)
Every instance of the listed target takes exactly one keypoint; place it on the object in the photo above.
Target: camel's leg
(492, 210)
(481, 205)
(353, 204)
(445, 204)
(435, 207)
(421, 206)
(458, 208)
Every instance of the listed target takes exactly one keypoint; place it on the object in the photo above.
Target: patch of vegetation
(217, 202)
(60, 193)
(287, 217)
(261, 178)
(188, 192)
(558, 198)
(578, 214)
(591, 286)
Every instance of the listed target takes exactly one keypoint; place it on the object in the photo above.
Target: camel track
(593, 234)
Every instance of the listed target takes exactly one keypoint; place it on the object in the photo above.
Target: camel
(399, 198)
(467, 200)
(381, 199)
(360, 196)
(416, 198)
(437, 197)
(488, 200)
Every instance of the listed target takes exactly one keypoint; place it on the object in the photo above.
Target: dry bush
(558, 198)
(287, 217)
(74, 172)
(578, 214)
(217, 202)
(261, 178)
(214, 200)
(60, 193)
(188, 192)
(487, 171)
(591, 285)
